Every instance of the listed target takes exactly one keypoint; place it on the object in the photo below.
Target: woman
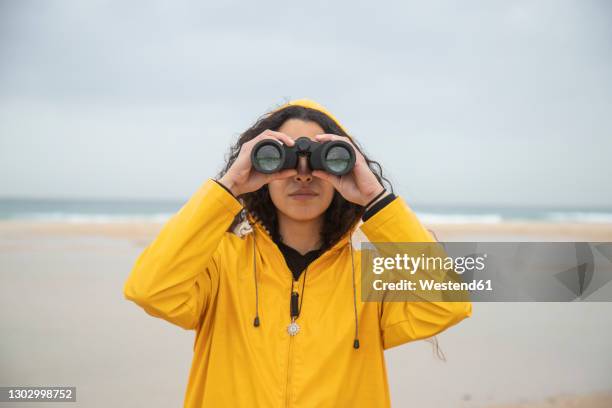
(273, 291)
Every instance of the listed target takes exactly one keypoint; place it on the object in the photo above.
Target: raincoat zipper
(289, 353)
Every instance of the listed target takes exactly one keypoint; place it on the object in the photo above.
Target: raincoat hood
(308, 103)
(233, 288)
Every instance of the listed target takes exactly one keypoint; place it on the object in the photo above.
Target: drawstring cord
(256, 321)
(356, 341)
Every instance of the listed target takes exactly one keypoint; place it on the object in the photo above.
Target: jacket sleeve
(174, 277)
(401, 322)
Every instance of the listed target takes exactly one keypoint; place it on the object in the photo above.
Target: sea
(107, 211)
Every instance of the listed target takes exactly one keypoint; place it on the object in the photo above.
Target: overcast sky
(472, 103)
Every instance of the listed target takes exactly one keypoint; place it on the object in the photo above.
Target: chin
(304, 213)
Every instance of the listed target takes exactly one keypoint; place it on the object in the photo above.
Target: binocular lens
(268, 158)
(338, 159)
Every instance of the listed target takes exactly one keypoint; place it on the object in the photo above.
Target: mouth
(303, 195)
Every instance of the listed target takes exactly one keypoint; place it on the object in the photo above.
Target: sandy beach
(65, 322)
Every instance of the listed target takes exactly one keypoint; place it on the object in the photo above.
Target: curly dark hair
(341, 214)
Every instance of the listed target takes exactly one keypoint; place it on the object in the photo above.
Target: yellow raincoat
(200, 276)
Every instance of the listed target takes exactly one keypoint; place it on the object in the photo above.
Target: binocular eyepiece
(335, 157)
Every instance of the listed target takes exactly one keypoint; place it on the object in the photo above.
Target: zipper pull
(295, 312)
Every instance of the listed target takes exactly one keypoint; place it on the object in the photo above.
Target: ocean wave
(81, 218)
(493, 218)
(431, 218)
(578, 216)
(424, 216)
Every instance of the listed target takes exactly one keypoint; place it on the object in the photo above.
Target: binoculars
(335, 157)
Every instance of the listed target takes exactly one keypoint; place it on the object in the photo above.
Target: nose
(303, 170)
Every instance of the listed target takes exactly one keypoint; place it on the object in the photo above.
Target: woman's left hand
(359, 186)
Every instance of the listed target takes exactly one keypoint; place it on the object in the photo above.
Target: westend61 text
(431, 284)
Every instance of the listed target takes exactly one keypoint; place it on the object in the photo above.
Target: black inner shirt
(297, 262)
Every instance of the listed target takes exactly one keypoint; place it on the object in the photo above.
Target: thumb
(334, 180)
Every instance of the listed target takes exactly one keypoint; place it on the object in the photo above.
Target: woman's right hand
(242, 178)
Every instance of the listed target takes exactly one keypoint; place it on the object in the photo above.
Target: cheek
(327, 194)
(277, 193)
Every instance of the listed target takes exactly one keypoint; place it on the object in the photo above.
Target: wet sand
(65, 322)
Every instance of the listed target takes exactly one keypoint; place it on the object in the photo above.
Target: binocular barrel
(335, 157)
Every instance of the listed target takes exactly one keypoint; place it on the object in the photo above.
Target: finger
(334, 180)
(325, 137)
(279, 136)
(266, 134)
